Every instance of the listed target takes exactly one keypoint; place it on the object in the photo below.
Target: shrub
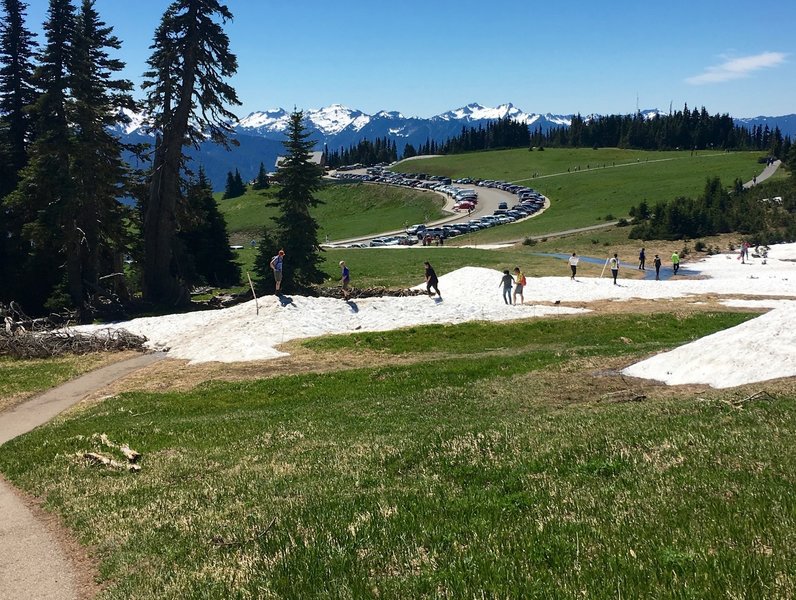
(699, 246)
(622, 222)
(529, 241)
(609, 217)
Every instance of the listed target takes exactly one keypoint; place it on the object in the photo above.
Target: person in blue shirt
(276, 266)
(345, 278)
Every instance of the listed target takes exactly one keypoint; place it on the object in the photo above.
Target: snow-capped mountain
(260, 133)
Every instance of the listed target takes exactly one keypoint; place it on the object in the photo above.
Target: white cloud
(738, 68)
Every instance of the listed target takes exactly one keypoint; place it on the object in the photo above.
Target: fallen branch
(130, 454)
(99, 459)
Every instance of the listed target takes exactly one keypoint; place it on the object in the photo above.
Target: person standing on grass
(519, 279)
(573, 264)
(675, 262)
(276, 266)
(345, 279)
(613, 263)
(642, 259)
(657, 264)
(431, 280)
(507, 282)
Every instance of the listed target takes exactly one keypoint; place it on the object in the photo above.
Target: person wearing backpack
(431, 280)
(657, 264)
(519, 279)
(276, 267)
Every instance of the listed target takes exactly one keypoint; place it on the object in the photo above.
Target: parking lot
(476, 204)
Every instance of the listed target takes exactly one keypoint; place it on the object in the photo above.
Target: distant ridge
(261, 132)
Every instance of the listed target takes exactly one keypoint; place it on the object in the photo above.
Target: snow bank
(760, 349)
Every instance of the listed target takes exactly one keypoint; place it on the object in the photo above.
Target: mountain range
(260, 133)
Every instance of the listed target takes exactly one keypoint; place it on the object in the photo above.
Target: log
(99, 459)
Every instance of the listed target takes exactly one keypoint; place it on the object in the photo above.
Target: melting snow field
(472, 293)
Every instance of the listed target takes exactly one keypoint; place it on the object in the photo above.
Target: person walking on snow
(276, 266)
(657, 264)
(345, 279)
(613, 263)
(431, 280)
(507, 281)
(642, 259)
(519, 279)
(573, 264)
(675, 262)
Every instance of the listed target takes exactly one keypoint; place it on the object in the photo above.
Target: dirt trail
(34, 562)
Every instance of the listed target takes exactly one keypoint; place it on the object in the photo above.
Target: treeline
(684, 130)
(79, 228)
(765, 213)
(368, 153)
(503, 133)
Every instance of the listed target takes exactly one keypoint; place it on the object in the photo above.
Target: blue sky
(423, 58)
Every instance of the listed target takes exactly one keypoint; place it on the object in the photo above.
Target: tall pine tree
(205, 238)
(45, 191)
(94, 225)
(187, 97)
(17, 91)
(297, 230)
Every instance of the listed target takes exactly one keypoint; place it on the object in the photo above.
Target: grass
(21, 379)
(508, 474)
(585, 186)
(350, 210)
(649, 334)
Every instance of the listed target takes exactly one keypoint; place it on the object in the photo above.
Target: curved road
(490, 198)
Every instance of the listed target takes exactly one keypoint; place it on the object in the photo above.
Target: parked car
(415, 229)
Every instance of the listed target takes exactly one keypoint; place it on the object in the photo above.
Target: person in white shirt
(573, 264)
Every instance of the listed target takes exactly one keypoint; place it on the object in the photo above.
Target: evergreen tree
(94, 224)
(261, 182)
(206, 242)
(45, 191)
(17, 91)
(240, 187)
(297, 230)
(187, 97)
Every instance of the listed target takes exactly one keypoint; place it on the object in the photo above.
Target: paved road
(33, 564)
(489, 198)
(767, 172)
(488, 201)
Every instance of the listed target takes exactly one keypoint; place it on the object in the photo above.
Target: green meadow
(348, 210)
(515, 468)
(587, 187)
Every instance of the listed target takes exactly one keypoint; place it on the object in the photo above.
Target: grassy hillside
(586, 186)
(350, 210)
(489, 460)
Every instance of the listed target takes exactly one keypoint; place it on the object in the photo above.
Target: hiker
(657, 264)
(507, 281)
(573, 264)
(519, 279)
(276, 267)
(675, 262)
(642, 259)
(431, 280)
(345, 279)
(613, 263)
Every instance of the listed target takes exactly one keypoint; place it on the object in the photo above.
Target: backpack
(522, 281)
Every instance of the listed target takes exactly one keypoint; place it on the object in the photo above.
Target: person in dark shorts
(431, 280)
(657, 264)
(507, 282)
(519, 280)
(642, 259)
